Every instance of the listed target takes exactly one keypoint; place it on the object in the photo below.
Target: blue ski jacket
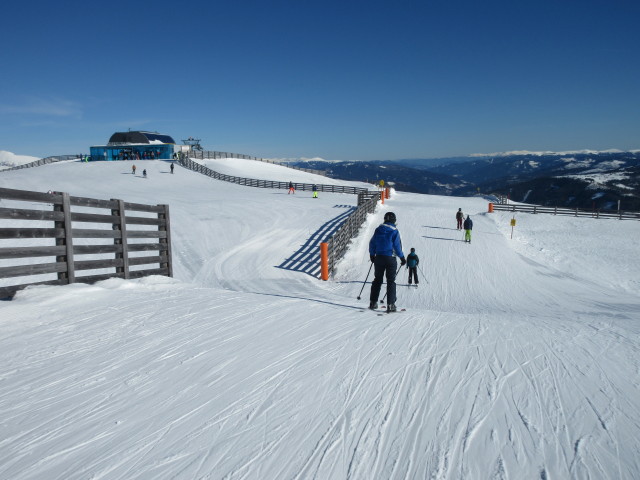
(386, 241)
(468, 224)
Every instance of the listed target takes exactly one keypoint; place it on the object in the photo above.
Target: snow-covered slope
(9, 160)
(516, 358)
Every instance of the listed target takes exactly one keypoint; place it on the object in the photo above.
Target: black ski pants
(384, 265)
(413, 272)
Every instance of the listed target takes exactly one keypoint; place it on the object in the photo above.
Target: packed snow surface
(516, 358)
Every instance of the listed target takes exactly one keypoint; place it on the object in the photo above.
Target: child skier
(412, 265)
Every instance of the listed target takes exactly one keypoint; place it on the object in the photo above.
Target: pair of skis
(382, 310)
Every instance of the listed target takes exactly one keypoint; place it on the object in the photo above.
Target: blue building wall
(132, 152)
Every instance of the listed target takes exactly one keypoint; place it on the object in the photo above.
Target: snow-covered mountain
(547, 153)
(584, 179)
(515, 358)
(587, 180)
(527, 166)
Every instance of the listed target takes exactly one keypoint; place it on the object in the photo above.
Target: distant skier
(291, 189)
(412, 265)
(144, 173)
(468, 226)
(133, 169)
(459, 218)
(172, 168)
(315, 191)
(383, 246)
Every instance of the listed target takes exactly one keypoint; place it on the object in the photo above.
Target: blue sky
(348, 80)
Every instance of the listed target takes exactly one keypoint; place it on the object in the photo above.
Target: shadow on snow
(307, 258)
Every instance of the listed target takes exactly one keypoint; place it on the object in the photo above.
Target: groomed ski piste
(515, 358)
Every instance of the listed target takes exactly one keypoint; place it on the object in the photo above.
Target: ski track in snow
(515, 358)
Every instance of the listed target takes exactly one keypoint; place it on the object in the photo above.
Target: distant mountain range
(581, 179)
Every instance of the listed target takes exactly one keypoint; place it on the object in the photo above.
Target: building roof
(139, 137)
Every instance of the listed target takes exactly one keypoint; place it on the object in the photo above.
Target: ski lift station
(135, 145)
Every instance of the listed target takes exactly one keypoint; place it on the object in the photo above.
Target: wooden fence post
(166, 242)
(69, 275)
(122, 227)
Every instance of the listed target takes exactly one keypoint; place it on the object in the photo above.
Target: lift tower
(194, 143)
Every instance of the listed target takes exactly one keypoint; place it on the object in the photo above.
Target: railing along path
(574, 212)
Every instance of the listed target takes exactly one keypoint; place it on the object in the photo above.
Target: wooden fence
(575, 212)
(80, 249)
(252, 182)
(203, 154)
(339, 241)
(44, 161)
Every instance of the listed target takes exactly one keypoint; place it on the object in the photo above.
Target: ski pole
(365, 281)
(385, 295)
(423, 275)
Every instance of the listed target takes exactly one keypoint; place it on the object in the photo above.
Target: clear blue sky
(334, 79)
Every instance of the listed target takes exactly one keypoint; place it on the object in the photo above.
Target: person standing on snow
(459, 218)
(172, 168)
(133, 169)
(468, 226)
(383, 246)
(412, 265)
(291, 189)
(315, 191)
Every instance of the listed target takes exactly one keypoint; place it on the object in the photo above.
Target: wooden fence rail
(575, 212)
(339, 241)
(252, 182)
(44, 161)
(61, 227)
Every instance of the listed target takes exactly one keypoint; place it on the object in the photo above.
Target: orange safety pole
(388, 192)
(490, 207)
(324, 261)
(382, 196)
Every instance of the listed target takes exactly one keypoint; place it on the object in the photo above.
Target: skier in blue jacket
(383, 247)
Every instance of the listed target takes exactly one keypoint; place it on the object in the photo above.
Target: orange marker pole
(490, 207)
(382, 196)
(388, 192)
(324, 261)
